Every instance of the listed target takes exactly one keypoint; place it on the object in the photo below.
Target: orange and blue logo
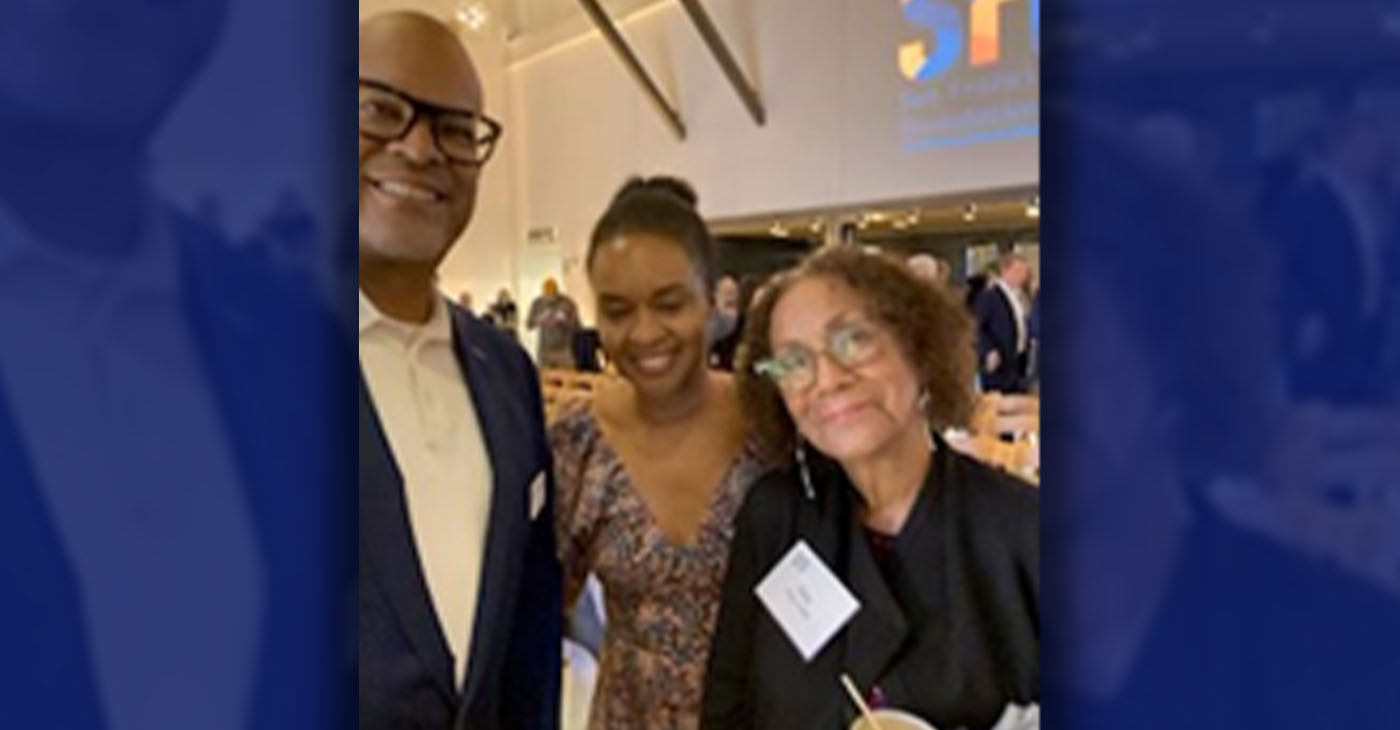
(978, 37)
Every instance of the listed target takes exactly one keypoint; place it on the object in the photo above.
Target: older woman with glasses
(850, 367)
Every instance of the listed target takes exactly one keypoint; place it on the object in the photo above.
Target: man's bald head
(419, 55)
(415, 201)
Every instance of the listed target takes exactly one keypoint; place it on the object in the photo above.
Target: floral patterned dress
(662, 598)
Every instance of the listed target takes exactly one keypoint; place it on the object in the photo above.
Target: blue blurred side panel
(176, 522)
(1221, 230)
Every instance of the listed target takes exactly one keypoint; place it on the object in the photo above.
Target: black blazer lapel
(923, 581)
(1008, 319)
(505, 431)
(386, 541)
(880, 628)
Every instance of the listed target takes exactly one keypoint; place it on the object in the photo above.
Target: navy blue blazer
(280, 374)
(406, 668)
(996, 330)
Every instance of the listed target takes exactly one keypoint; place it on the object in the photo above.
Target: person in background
(503, 314)
(464, 300)
(1003, 338)
(975, 285)
(930, 268)
(459, 621)
(850, 369)
(653, 469)
(725, 323)
(555, 315)
(588, 351)
(1036, 359)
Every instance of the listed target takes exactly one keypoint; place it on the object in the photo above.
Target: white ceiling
(528, 26)
(532, 17)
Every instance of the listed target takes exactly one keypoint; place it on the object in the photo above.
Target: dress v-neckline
(654, 530)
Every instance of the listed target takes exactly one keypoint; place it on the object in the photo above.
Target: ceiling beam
(634, 66)
(710, 35)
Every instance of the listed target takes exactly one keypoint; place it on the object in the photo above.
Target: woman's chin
(851, 441)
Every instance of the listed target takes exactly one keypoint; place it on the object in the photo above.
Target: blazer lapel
(925, 542)
(507, 441)
(386, 541)
(879, 628)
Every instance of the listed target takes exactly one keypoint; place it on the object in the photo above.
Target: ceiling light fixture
(472, 15)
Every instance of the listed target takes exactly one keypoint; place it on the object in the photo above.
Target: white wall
(577, 126)
(827, 74)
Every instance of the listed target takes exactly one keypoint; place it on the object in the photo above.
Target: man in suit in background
(1003, 337)
(459, 590)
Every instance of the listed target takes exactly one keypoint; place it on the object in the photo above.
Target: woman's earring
(923, 410)
(807, 489)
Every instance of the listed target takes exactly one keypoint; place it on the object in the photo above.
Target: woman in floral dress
(652, 470)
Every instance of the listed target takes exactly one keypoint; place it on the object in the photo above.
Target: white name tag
(807, 600)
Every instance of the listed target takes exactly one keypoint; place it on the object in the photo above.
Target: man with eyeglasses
(459, 590)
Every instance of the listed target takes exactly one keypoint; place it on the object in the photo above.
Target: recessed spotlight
(472, 15)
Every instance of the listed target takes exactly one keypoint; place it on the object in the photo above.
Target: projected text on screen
(972, 74)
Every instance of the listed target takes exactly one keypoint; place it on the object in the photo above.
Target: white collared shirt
(130, 455)
(1018, 313)
(430, 422)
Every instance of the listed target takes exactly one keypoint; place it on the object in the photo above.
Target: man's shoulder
(490, 341)
(998, 499)
(992, 297)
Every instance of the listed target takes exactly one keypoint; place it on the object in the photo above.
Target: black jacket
(948, 629)
(996, 330)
